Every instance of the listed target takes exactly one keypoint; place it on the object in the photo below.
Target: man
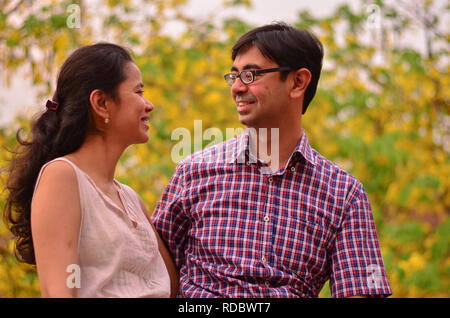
(243, 221)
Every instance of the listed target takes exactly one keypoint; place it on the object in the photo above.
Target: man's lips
(244, 104)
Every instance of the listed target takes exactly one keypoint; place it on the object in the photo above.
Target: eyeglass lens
(246, 77)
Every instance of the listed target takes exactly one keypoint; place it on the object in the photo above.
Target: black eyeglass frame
(254, 73)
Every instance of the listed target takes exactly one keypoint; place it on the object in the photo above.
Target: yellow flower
(415, 262)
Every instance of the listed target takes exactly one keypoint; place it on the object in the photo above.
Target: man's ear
(100, 105)
(302, 77)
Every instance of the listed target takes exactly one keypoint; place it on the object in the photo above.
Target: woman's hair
(287, 46)
(58, 133)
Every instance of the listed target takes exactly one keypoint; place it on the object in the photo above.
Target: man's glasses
(249, 76)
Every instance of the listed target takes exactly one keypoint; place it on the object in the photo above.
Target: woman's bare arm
(55, 225)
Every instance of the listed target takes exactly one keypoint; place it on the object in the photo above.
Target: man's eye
(248, 76)
(140, 92)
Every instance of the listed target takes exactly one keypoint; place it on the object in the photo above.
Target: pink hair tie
(51, 105)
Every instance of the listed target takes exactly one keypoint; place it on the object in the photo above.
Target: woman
(88, 235)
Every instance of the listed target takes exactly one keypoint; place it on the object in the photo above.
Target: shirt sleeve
(169, 217)
(357, 265)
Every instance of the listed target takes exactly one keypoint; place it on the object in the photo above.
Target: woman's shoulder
(58, 174)
(56, 191)
(59, 168)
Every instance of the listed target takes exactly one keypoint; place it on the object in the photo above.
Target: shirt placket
(266, 221)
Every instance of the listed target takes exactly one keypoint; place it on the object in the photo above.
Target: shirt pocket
(301, 246)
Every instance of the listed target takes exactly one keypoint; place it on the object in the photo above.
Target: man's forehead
(250, 57)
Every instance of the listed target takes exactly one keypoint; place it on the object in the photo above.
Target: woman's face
(129, 121)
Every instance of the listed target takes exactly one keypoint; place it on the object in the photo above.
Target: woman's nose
(149, 106)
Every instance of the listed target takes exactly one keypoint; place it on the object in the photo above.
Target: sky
(266, 11)
(20, 96)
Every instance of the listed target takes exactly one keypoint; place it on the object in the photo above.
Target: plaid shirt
(235, 230)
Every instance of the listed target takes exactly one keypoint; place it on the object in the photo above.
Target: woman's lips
(145, 120)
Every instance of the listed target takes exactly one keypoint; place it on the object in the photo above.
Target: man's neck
(275, 146)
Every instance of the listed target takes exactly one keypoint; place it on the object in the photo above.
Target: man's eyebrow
(246, 67)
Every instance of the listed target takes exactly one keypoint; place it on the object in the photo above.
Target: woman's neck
(98, 158)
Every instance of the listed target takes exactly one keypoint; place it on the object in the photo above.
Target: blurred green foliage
(381, 112)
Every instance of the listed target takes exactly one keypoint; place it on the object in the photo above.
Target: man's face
(259, 104)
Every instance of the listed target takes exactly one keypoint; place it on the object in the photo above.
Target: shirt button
(292, 169)
(248, 163)
(270, 180)
(263, 259)
(267, 284)
(266, 218)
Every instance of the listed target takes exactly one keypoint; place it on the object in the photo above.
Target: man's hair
(287, 46)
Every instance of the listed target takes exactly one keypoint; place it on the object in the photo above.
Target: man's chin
(245, 120)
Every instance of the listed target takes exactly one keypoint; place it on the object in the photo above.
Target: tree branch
(15, 7)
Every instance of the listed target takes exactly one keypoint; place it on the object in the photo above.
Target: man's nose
(238, 87)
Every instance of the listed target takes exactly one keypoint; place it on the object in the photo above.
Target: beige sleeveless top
(116, 258)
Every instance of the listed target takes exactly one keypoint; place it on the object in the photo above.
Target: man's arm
(169, 218)
(357, 268)
(167, 257)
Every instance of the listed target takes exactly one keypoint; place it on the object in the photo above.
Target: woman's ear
(100, 103)
(302, 77)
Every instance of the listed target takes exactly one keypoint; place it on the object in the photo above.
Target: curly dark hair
(58, 133)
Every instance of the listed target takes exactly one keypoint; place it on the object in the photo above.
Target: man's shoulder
(333, 173)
